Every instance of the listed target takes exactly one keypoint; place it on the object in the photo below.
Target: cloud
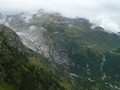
(104, 13)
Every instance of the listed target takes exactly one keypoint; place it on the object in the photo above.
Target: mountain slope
(79, 29)
(24, 70)
(85, 51)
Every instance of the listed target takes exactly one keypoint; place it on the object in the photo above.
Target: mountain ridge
(25, 70)
(85, 52)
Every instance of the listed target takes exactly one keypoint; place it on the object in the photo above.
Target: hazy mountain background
(104, 13)
(87, 53)
(68, 45)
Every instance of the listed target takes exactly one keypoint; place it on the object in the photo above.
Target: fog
(104, 13)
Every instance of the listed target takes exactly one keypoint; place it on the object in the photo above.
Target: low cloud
(104, 13)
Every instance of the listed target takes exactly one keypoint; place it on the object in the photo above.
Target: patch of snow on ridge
(27, 19)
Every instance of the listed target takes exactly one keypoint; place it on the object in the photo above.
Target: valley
(83, 57)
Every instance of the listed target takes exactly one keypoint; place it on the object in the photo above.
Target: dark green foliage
(85, 48)
(16, 70)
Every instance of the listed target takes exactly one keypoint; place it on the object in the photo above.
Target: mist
(104, 13)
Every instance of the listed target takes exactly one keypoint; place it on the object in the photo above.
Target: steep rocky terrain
(88, 53)
(23, 69)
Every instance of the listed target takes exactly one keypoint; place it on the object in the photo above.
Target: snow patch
(102, 63)
(72, 74)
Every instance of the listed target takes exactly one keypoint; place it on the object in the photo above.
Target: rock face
(79, 46)
(41, 31)
(34, 39)
(23, 69)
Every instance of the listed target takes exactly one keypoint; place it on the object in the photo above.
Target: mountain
(23, 69)
(33, 30)
(86, 52)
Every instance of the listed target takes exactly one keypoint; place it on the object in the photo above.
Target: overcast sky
(105, 13)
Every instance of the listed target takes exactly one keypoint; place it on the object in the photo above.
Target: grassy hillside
(21, 70)
(86, 54)
(86, 50)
